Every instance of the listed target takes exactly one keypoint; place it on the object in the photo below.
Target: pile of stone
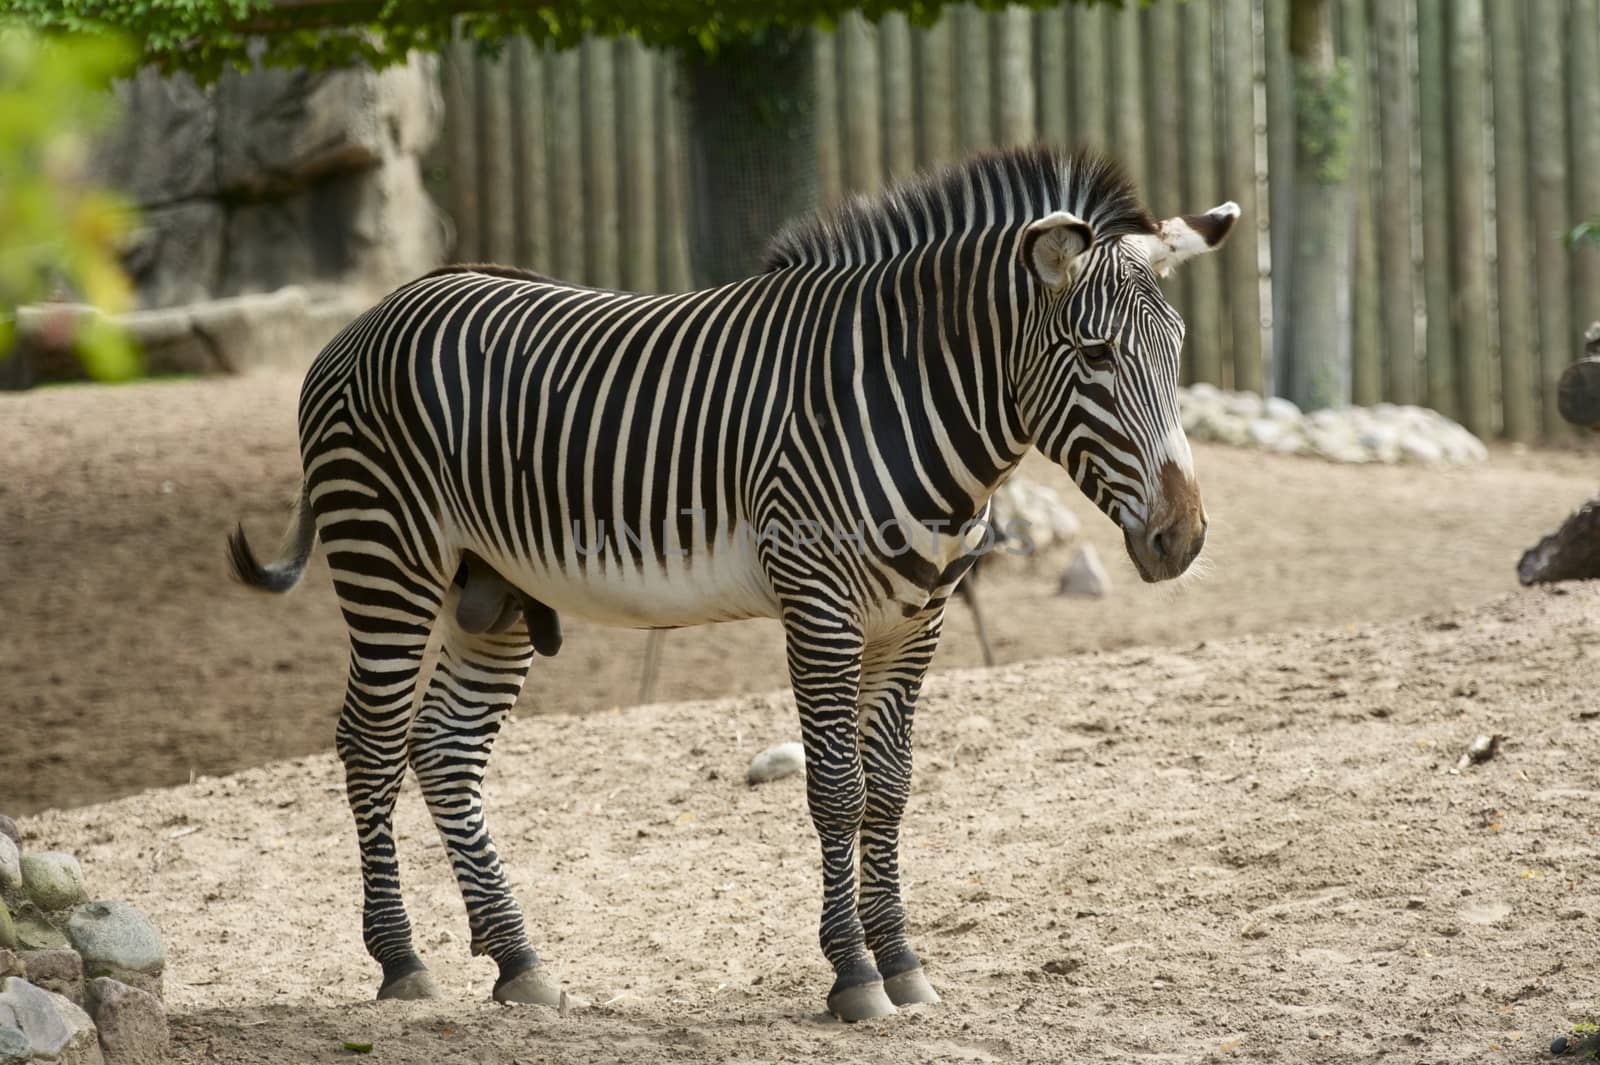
(80, 980)
(1382, 433)
(1045, 522)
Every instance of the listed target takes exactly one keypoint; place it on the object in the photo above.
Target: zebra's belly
(723, 583)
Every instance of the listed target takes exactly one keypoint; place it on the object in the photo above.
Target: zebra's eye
(1097, 353)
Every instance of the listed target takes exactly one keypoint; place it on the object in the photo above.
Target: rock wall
(80, 981)
(274, 207)
(277, 177)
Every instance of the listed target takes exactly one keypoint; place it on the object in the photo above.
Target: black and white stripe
(807, 444)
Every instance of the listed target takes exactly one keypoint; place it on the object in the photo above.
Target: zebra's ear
(1181, 238)
(1051, 247)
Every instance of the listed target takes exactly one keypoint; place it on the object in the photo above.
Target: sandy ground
(130, 661)
(1247, 849)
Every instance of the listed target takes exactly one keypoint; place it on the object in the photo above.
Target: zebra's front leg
(891, 676)
(824, 667)
(476, 682)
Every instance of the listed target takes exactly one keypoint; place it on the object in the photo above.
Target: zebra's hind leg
(477, 680)
(891, 676)
(390, 614)
(824, 667)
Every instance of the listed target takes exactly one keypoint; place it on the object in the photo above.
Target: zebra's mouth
(1129, 542)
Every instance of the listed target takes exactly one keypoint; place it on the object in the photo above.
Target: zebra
(528, 449)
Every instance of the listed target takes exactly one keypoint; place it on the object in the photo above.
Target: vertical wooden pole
(863, 117)
(1089, 75)
(1240, 265)
(1014, 77)
(601, 210)
(1518, 355)
(565, 166)
(1202, 286)
(1280, 186)
(1469, 195)
(496, 211)
(527, 146)
(1127, 89)
(1547, 165)
(899, 117)
(672, 207)
(936, 106)
(974, 117)
(1366, 339)
(830, 165)
(1320, 274)
(1164, 121)
(637, 164)
(1434, 120)
(461, 129)
(1050, 55)
(1164, 132)
(1583, 166)
(1391, 32)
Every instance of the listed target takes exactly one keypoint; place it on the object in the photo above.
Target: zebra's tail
(282, 572)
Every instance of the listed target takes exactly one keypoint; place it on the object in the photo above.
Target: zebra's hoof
(417, 984)
(864, 1002)
(530, 987)
(910, 988)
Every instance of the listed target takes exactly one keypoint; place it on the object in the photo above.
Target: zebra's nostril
(1158, 544)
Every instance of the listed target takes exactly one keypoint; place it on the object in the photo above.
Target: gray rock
(777, 762)
(60, 971)
(8, 927)
(8, 828)
(36, 933)
(279, 129)
(163, 148)
(132, 1023)
(53, 880)
(1086, 577)
(14, 1046)
(116, 940)
(55, 1028)
(167, 338)
(11, 964)
(10, 864)
(175, 256)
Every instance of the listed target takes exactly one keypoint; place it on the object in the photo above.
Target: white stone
(10, 865)
(1415, 447)
(1282, 410)
(1085, 577)
(777, 762)
(1243, 404)
(1266, 433)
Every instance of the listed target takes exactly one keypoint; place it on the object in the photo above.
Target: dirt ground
(1245, 849)
(1215, 823)
(130, 661)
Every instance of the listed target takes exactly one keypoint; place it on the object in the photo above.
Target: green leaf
(358, 1048)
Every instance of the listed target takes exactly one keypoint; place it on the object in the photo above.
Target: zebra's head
(1097, 386)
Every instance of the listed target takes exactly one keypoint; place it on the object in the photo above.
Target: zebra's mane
(984, 190)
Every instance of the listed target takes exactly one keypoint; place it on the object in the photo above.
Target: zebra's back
(601, 450)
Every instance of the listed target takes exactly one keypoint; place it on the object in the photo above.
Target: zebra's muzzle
(1166, 546)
